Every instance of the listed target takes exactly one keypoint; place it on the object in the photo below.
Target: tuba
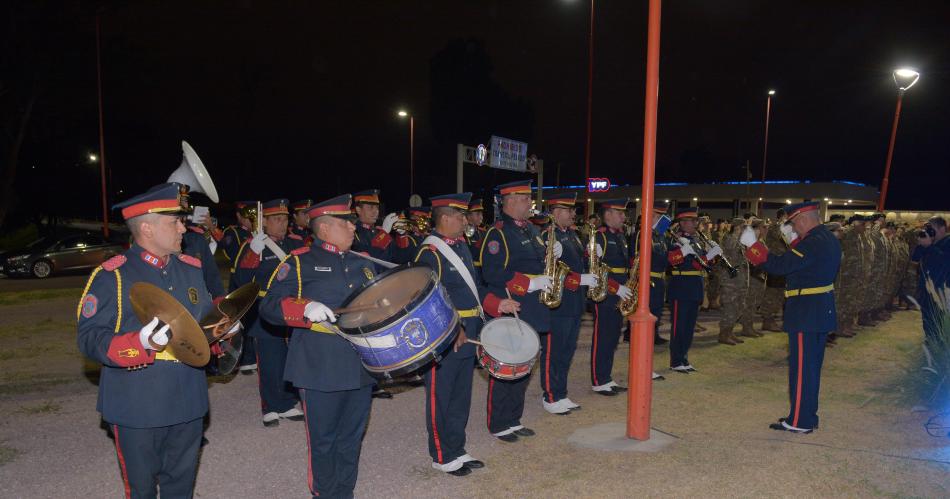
(192, 172)
(599, 292)
(556, 270)
(629, 306)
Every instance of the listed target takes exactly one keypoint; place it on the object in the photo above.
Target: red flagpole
(590, 100)
(890, 153)
(102, 138)
(640, 370)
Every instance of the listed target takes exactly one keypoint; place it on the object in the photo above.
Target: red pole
(642, 322)
(765, 153)
(412, 153)
(890, 152)
(590, 98)
(102, 138)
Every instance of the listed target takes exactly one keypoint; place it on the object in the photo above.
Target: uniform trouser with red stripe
(607, 324)
(448, 403)
(336, 422)
(684, 315)
(806, 352)
(505, 403)
(165, 457)
(277, 395)
(557, 352)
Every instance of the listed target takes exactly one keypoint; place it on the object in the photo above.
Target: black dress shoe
(524, 432)
(382, 394)
(511, 437)
(781, 427)
(463, 471)
(474, 464)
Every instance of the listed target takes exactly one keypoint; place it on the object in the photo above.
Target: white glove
(713, 252)
(600, 252)
(540, 283)
(318, 312)
(257, 243)
(160, 338)
(213, 246)
(558, 249)
(624, 292)
(589, 280)
(788, 233)
(748, 238)
(200, 215)
(389, 221)
(686, 248)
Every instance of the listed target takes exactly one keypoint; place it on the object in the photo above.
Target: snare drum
(413, 324)
(509, 347)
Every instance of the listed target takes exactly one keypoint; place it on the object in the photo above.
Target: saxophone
(556, 270)
(629, 306)
(599, 292)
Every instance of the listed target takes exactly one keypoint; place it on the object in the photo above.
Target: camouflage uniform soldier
(713, 280)
(756, 288)
(733, 290)
(774, 297)
(850, 277)
(867, 275)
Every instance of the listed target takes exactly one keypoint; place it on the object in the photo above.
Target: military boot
(735, 338)
(725, 336)
(770, 325)
(749, 331)
(864, 319)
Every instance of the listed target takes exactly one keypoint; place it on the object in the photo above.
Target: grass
(7, 454)
(22, 297)
(48, 407)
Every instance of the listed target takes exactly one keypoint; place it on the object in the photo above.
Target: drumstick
(482, 344)
(517, 323)
(382, 302)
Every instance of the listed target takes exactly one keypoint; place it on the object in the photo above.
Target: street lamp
(904, 78)
(412, 146)
(93, 158)
(765, 147)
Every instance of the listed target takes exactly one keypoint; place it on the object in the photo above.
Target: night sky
(299, 99)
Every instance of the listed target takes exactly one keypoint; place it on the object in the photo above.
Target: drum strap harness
(459, 265)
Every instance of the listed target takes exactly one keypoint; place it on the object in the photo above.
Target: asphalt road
(62, 281)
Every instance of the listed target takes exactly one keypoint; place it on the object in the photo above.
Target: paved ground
(870, 444)
(17, 284)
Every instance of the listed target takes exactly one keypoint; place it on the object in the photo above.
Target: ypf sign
(598, 184)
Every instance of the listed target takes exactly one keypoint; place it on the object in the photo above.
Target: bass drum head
(396, 291)
(505, 341)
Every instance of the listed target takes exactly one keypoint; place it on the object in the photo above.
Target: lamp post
(765, 149)
(904, 78)
(102, 138)
(412, 147)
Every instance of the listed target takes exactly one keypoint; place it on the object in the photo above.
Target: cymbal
(228, 311)
(187, 341)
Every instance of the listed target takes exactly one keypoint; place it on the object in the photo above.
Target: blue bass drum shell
(419, 332)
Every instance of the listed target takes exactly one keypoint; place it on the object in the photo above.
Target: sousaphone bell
(192, 172)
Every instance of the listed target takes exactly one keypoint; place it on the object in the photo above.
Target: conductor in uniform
(448, 382)
(512, 258)
(335, 389)
(153, 403)
(810, 267)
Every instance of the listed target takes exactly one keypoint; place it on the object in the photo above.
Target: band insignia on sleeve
(129, 353)
(193, 296)
(89, 306)
(494, 247)
(282, 271)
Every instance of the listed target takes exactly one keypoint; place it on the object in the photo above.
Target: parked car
(50, 254)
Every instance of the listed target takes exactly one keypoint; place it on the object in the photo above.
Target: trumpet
(407, 225)
(697, 247)
(252, 212)
(723, 261)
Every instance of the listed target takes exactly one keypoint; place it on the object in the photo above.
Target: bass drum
(410, 321)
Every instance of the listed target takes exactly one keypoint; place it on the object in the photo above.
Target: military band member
(512, 259)
(371, 239)
(406, 244)
(685, 291)
(660, 248)
(334, 387)
(774, 300)
(476, 219)
(257, 262)
(194, 243)
(557, 348)
(236, 235)
(300, 223)
(153, 403)
(616, 255)
(448, 383)
(810, 266)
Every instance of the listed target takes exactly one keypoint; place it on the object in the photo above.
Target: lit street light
(93, 158)
(412, 147)
(904, 78)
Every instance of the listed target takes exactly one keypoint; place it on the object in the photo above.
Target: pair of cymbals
(189, 341)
